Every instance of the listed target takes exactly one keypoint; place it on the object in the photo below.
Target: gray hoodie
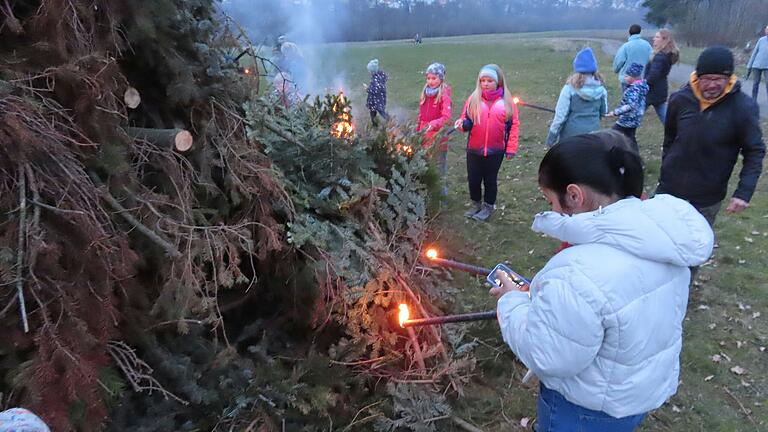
(578, 111)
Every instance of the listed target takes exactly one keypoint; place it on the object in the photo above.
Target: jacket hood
(592, 90)
(662, 229)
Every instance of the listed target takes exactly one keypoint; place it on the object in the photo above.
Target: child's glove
(552, 139)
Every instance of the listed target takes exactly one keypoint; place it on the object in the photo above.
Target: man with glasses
(709, 122)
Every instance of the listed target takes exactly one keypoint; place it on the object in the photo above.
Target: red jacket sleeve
(514, 132)
(445, 110)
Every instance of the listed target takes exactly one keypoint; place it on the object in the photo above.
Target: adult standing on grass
(709, 122)
(665, 54)
(583, 100)
(490, 117)
(635, 50)
(602, 327)
(377, 92)
(434, 113)
(758, 63)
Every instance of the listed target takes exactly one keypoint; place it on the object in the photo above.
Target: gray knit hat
(373, 66)
(436, 69)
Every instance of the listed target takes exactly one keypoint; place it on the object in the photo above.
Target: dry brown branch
(175, 139)
(743, 409)
(465, 425)
(417, 349)
(136, 371)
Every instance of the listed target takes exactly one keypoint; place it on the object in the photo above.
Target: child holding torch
(490, 117)
(434, 113)
(602, 327)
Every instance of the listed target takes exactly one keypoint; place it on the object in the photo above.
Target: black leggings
(629, 133)
(373, 113)
(483, 170)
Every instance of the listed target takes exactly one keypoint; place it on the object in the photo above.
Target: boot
(485, 213)
(475, 207)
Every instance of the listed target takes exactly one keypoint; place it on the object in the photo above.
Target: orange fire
(343, 128)
(516, 100)
(404, 314)
(432, 253)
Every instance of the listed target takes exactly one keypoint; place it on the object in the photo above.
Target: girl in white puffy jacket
(602, 327)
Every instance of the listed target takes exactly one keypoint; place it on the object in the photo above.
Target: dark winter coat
(656, 73)
(377, 92)
(632, 106)
(701, 147)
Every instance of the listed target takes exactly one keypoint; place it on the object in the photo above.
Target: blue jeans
(661, 111)
(759, 73)
(556, 414)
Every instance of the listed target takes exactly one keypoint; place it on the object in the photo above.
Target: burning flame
(405, 149)
(516, 100)
(343, 128)
(404, 314)
(431, 253)
(247, 71)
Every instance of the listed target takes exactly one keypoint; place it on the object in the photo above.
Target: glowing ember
(516, 100)
(247, 71)
(431, 253)
(404, 314)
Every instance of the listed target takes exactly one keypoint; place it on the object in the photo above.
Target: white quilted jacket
(603, 325)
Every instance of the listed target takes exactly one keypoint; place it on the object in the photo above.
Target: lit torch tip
(431, 253)
(404, 314)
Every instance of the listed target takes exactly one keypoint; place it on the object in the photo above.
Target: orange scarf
(706, 103)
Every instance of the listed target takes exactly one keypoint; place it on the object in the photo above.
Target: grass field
(728, 306)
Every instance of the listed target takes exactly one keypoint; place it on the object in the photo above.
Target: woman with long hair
(490, 117)
(665, 54)
(583, 100)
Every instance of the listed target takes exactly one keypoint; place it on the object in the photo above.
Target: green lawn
(728, 308)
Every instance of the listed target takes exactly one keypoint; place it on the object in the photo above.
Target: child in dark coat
(632, 107)
(377, 92)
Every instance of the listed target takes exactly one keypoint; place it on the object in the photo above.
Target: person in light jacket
(602, 323)
(758, 63)
(635, 50)
(583, 100)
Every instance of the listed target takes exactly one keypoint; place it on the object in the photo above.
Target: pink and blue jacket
(489, 136)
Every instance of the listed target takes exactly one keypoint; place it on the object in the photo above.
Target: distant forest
(705, 22)
(364, 20)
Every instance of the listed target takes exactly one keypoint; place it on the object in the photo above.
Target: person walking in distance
(758, 64)
(635, 50)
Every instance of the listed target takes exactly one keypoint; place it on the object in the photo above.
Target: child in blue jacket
(632, 106)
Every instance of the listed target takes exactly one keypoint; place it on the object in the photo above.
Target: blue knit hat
(373, 66)
(585, 61)
(634, 70)
(489, 72)
(436, 69)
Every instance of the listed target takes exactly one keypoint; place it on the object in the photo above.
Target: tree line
(706, 22)
(364, 20)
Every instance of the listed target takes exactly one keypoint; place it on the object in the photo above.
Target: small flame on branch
(405, 149)
(404, 314)
(343, 128)
(432, 253)
(516, 100)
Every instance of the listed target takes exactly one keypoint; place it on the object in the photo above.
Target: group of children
(491, 119)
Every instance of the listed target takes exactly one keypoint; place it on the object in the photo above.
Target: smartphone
(516, 278)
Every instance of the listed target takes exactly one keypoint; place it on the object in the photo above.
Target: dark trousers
(759, 74)
(630, 133)
(483, 171)
(381, 112)
(556, 414)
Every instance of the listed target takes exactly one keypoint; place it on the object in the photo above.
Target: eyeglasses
(713, 79)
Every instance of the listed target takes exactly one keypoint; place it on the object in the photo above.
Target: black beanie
(715, 60)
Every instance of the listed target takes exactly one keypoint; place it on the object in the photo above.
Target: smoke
(308, 24)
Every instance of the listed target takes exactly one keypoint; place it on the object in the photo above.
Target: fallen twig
(743, 409)
(20, 251)
(465, 425)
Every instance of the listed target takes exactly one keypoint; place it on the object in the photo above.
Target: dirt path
(681, 72)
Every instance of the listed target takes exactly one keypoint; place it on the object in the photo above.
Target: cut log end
(132, 98)
(183, 141)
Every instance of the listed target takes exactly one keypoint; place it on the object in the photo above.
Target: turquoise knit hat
(373, 66)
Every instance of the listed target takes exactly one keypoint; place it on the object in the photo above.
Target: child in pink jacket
(434, 113)
(490, 117)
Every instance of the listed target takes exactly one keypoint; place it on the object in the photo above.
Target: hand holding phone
(502, 271)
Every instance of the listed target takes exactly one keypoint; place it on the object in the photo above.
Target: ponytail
(603, 160)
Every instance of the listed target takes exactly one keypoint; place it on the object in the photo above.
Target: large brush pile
(234, 285)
